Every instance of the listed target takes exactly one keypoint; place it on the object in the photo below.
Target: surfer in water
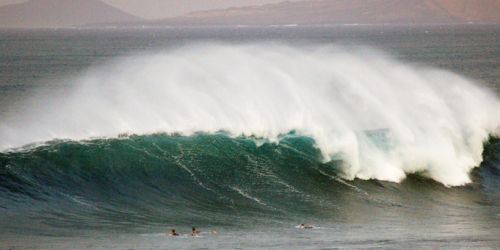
(305, 226)
(173, 233)
(194, 232)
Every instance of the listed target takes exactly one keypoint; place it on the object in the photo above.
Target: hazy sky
(169, 8)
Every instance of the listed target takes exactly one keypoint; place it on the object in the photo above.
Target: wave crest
(383, 118)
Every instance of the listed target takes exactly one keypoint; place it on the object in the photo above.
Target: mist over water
(382, 118)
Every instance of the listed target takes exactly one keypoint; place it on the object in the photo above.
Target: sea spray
(426, 120)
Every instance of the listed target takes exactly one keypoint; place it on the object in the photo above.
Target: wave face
(381, 118)
(215, 180)
(162, 179)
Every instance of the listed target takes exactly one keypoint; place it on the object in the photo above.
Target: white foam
(436, 121)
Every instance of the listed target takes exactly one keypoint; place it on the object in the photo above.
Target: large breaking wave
(381, 118)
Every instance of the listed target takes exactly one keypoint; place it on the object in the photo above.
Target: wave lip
(428, 120)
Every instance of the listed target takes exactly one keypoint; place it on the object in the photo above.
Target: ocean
(378, 136)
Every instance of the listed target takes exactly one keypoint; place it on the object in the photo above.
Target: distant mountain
(349, 12)
(61, 13)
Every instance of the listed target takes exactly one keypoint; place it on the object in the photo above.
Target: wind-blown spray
(382, 118)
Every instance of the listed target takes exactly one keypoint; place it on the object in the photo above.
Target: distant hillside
(60, 13)
(349, 12)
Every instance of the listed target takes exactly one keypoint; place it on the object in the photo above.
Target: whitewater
(380, 117)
